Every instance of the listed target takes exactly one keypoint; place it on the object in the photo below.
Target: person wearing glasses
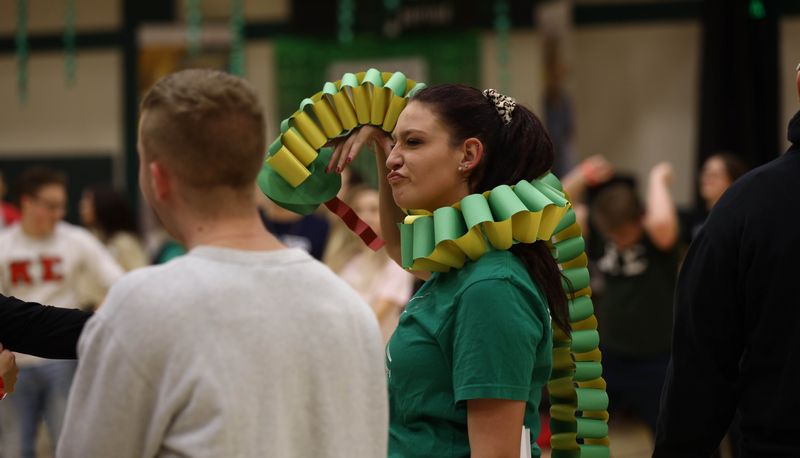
(40, 260)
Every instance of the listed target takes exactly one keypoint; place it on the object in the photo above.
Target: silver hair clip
(502, 103)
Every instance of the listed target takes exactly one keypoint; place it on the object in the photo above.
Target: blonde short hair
(208, 126)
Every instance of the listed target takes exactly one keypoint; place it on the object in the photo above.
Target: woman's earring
(460, 168)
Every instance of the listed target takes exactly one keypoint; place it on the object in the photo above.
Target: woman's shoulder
(498, 268)
(499, 265)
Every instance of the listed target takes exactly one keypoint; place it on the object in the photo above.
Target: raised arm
(390, 213)
(592, 171)
(661, 217)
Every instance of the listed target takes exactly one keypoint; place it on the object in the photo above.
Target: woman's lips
(395, 177)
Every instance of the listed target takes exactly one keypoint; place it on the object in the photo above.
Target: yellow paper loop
(298, 147)
(309, 130)
(288, 167)
(330, 123)
(346, 111)
(396, 105)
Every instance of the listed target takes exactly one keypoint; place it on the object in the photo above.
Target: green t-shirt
(482, 331)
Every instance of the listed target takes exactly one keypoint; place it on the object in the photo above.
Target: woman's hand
(8, 371)
(346, 149)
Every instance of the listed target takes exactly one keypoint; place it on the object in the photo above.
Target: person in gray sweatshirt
(242, 347)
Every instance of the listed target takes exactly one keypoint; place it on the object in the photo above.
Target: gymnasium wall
(634, 87)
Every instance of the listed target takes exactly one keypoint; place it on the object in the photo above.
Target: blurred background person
(382, 283)
(638, 259)
(719, 171)
(9, 214)
(107, 214)
(40, 260)
(309, 232)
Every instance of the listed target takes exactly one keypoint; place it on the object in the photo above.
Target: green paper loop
(406, 249)
(504, 203)
(448, 224)
(397, 83)
(590, 399)
(594, 451)
(587, 370)
(531, 197)
(329, 88)
(350, 80)
(306, 105)
(417, 87)
(578, 278)
(569, 219)
(591, 428)
(580, 308)
(475, 210)
(585, 341)
(373, 76)
(423, 236)
(569, 249)
(551, 180)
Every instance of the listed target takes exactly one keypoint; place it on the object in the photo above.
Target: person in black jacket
(736, 337)
(40, 330)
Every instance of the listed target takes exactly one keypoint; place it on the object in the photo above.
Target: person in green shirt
(472, 351)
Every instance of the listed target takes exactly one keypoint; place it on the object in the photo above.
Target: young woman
(106, 213)
(472, 350)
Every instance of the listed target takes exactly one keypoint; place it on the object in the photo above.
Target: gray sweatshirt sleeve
(110, 403)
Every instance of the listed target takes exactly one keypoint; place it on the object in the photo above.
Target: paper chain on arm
(293, 176)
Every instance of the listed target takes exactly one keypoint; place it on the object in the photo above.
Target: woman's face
(714, 180)
(423, 164)
(366, 205)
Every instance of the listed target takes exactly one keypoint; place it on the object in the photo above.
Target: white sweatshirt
(47, 270)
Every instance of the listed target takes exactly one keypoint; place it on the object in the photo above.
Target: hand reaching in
(8, 372)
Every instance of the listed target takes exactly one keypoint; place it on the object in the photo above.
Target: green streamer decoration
(391, 5)
(70, 44)
(194, 26)
(237, 38)
(538, 210)
(346, 19)
(757, 10)
(502, 28)
(22, 52)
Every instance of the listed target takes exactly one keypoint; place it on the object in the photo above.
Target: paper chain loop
(293, 176)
